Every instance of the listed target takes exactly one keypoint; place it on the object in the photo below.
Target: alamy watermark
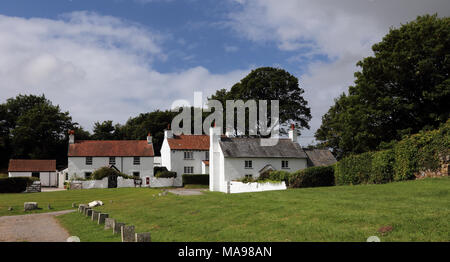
(258, 120)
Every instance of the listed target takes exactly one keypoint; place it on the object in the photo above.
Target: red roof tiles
(111, 148)
(31, 165)
(189, 142)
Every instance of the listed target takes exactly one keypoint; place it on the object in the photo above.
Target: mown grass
(417, 211)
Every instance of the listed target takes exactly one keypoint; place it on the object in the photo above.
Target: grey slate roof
(251, 147)
(320, 157)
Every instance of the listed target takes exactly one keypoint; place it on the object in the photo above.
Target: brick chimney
(168, 133)
(149, 138)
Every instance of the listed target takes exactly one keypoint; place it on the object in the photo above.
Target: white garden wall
(123, 182)
(89, 184)
(163, 182)
(239, 187)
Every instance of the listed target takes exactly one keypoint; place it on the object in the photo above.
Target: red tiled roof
(31, 165)
(189, 142)
(111, 148)
(206, 162)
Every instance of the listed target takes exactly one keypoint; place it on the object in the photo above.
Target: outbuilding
(45, 170)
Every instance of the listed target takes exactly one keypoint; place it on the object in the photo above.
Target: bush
(421, 152)
(195, 179)
(276, 175)
(15, 184)
(313, 177)
(382, 167)
(166, 174)
(103, 172)
(158, 169)
(354, 169)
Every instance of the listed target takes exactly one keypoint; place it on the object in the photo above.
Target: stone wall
(123, 182)
(163, 182)
(442, 171)
(88, 184)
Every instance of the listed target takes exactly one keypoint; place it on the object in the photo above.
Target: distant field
(417, 211)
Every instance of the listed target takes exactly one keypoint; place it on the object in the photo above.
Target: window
(285, 164)
(112, 160)
(67, 176)
(248, 176)
(136, 160)
(188, 155)
(248, 164)
(87, 175)
(188, 169)
(35, 174)
(88, 160)
(207, 155)
(136, 174)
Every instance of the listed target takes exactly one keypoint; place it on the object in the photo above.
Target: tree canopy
(403, 88)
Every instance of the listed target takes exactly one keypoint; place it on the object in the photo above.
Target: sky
(114, 59)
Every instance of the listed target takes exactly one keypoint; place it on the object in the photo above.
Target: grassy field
(417, 211)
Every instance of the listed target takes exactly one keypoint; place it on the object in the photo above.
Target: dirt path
(186, 191)
(33, 228)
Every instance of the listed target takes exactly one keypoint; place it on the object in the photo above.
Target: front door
(112, 181)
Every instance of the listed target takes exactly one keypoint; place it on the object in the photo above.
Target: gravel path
(187, 192)
(33, 228)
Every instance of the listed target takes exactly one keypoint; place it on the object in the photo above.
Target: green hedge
(382, 167)
(15, 184)
(166, 174)
(276, 175)
(158, 169)
(103, 172)
(313, 177)
(354, 169)
(195, 179)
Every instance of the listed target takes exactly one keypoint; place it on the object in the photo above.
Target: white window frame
(89, 161)
(136, 160)
(248, 164)
(188, 155)
(188, 170)
(285, 164)
(112, 160)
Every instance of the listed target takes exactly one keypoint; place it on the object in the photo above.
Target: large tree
(403, 88)
(32, 127)
(268, 83)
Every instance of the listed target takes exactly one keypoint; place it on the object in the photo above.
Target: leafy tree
(107, 131)
(267, 83)
(403, 88)
(31, 127)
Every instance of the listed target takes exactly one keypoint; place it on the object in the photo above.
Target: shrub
(158, 169)
(421, 152)
(382, 167)
(166, 174)
(103, 172)
(354, 169)
(313, 177)
(15, 184)
(195, 179)
(277, 175)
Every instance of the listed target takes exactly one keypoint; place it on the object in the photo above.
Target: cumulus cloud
(96, 67)
(343, 31)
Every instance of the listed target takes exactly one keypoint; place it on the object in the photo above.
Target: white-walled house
(185, 154)
(45, 170)
(132, 157)
(235, 158)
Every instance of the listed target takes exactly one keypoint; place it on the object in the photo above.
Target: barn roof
(31, 165)
(251, 147)
(111, 148)
(320, 157)
(189, 142)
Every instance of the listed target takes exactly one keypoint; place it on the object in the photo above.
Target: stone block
(95, 215)
(117, 227)
(109, 223)
(74, 205)
(142, 237)
(30, 206)
(127, 233)
(89, 212)
(101, 218)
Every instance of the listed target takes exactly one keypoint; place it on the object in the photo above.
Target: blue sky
(113, 59)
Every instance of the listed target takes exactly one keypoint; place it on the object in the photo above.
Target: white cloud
(230, 48)
(343, 30)
(96, 67)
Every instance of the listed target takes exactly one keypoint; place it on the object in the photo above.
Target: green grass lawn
(417, 211)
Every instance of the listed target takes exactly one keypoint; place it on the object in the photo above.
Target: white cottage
(185, 154)
(45, 170)
(132, 157)
(235, 158)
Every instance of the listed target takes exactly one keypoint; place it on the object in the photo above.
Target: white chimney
(168, 133)
(149, 138)
(71, 136)
(293, 134)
